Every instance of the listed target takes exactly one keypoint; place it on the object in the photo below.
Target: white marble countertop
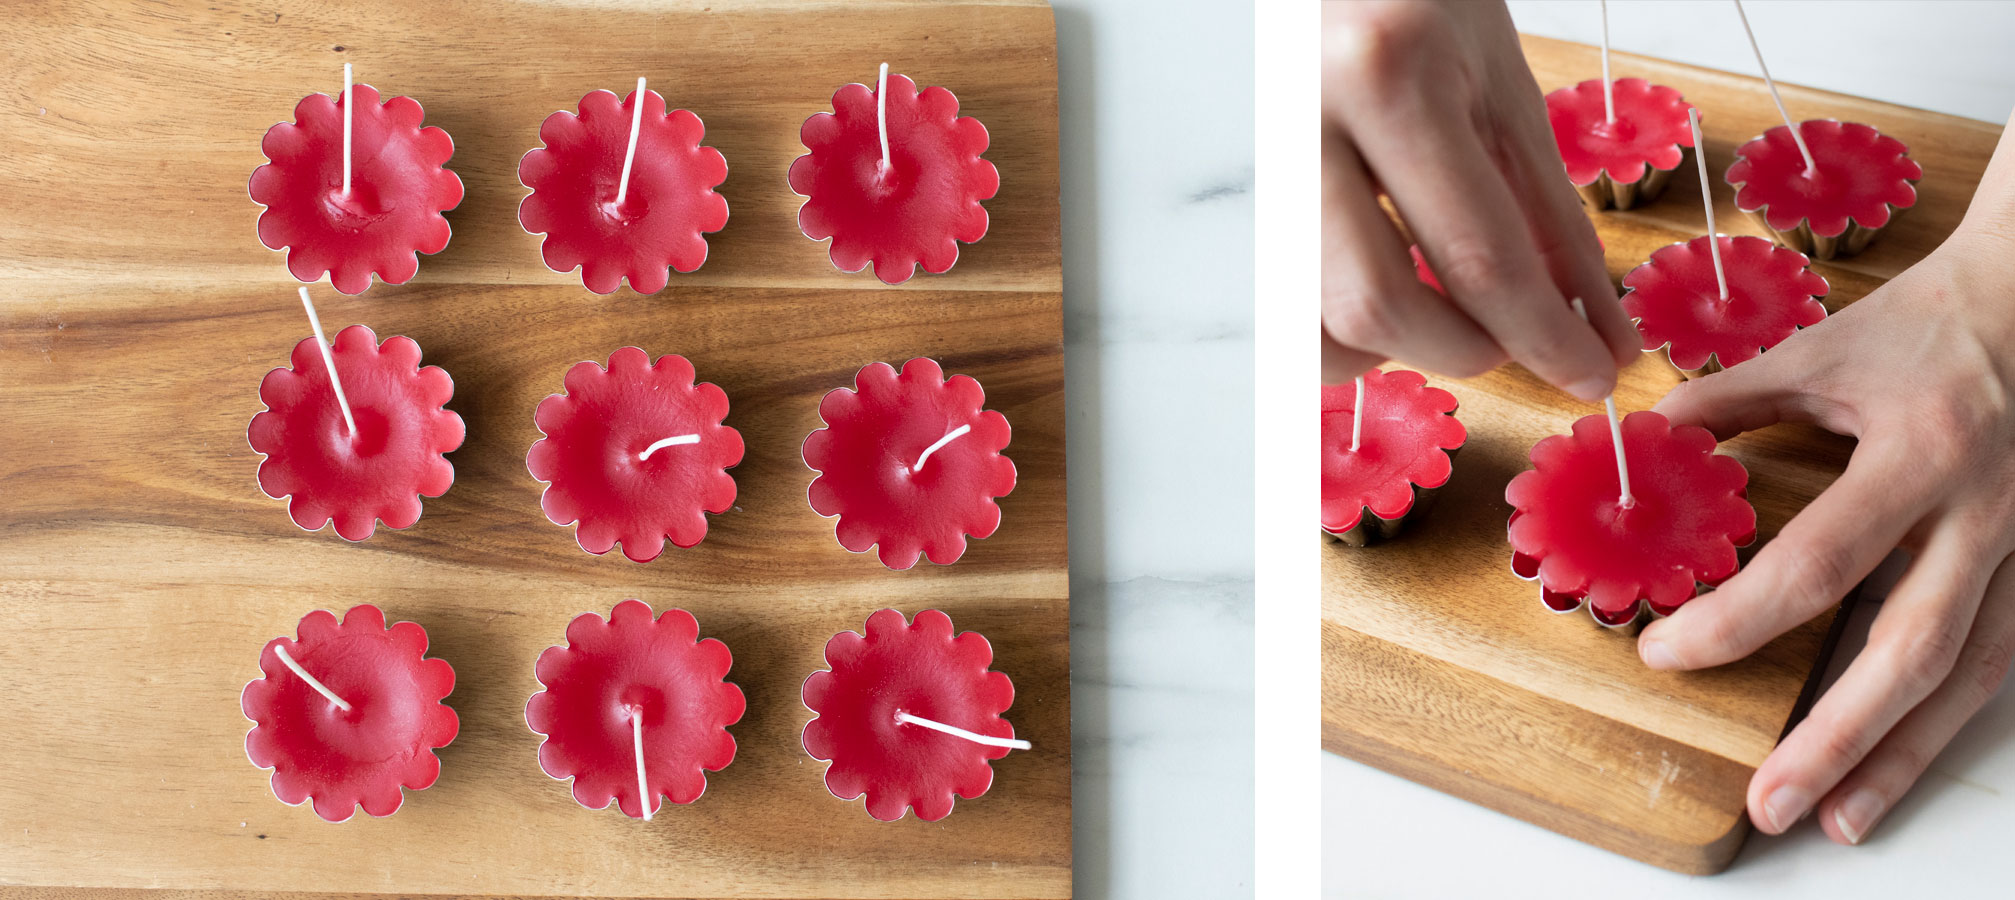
(1157, 152)
(1384, 836)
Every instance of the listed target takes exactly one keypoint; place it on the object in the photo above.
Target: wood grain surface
(1443, 667)
(141, 569)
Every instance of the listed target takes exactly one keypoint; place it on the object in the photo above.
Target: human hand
(1432, 101)
(1917, 370)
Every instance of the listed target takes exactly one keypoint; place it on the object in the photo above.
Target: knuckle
(1924, 654)
(1840, 748)
(1817, 572)
(1988, 662)
(1377, 45)
(1357, 318)
(1723, 638)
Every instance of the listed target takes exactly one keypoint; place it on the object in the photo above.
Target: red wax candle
(354, 718)
(391, 212)
(897, 200)
(668, 203)
(1626, 162)
(1405, 442)
(636, 454)
(323, 469)
(910, 462)
(1861, 179)
(866, 702)
(1571, 532)
(632, 688)
(1676, 300)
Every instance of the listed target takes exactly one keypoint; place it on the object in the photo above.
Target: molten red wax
(1650, 128)
(1404, 442)
(1676, 299)
(612, 670)
(594, 434)
(1569, 530)
(663, 219)
(917, 209)
(875, 433)
(385, 742)
(398, 190)
(1861, 173)
(922, 669)
(395, 458)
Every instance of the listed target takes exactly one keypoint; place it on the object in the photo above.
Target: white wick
(1615, 431)
(346, 129)
(882, 112)
(674, 441)
(281, 651)
(956, 731)
(644, 797)
(1608, 92)
(948, 438)
(1357, 416)
(1811, 168)
(1707, 201)
(329, 362)
(630, 155)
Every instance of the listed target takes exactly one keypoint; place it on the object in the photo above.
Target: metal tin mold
(1372, 529)
(1608, 193)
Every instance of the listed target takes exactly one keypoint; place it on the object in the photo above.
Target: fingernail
(1858, 813)
(1657, 655)
(1786, 805)
(1590, 389)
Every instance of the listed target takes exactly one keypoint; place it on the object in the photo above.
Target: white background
(1387, 837)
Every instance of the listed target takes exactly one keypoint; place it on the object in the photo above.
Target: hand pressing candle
(349, 714)
(1716, 301)
(355, 189)
(1822, 187)
(1621, 139)
(894, 178)
(636, 454)
(355, 432)
(910, 462)
(635, 709)
(1387, 444)
(623, 190)
(908, 714)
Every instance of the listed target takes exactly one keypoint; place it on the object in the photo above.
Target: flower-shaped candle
(635, 453)
(355, 432)
(1381, 466)
(909, 715)
(1677, 301)
(1622, 159)
(910, 462)
(355, 189)
(1859, 180)
(349, 714)
(1587, 533)
(894, 178)
(635, 709)
(623, 190)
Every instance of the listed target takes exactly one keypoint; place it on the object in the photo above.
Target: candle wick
(630, 155)
(1357, 416)
(329, 362)
(1707, 201)
(1608, 92)
(281, 651)
(1627, 500)
(1811, 167)
(954, 434)
(955, 731)
(882, 112)
(674, 441)
(644, 797)
(346, 129)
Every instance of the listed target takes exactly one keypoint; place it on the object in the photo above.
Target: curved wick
(329, 362)
(674, 441)
(644, 797)
(882, 112)
(280, 650)
(630, 155)
(1707, 200)
(958, 732)
(1811, 168)
(1628, 499)
(948, 438)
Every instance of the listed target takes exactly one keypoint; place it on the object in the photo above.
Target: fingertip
(1593, 388)
(1656, 653)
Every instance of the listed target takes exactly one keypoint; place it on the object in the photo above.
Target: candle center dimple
(950, 436)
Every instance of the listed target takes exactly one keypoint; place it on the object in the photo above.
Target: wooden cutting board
(141, 569)
(1441, 666)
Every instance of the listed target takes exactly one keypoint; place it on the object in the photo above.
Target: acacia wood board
(141, 568)
(1441, 666)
